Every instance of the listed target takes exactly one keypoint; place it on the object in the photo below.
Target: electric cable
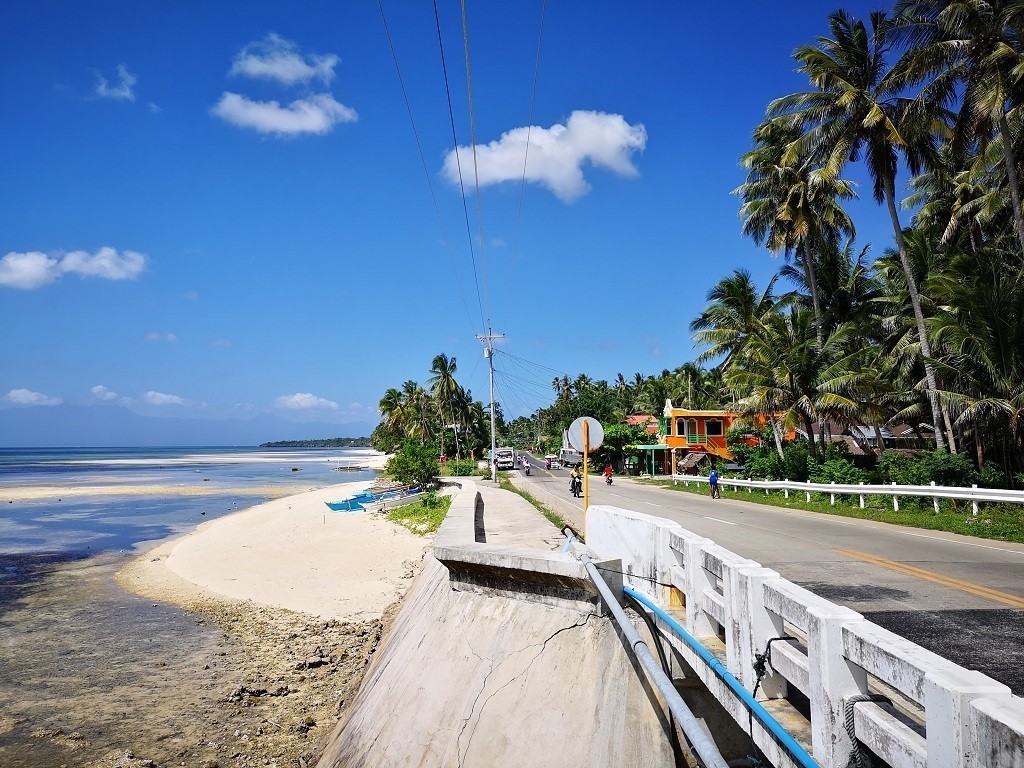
(423, 161)
(458, 163)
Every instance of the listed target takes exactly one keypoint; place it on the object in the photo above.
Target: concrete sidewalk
(512, 521)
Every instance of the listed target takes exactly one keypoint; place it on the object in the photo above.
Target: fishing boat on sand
(375, 501)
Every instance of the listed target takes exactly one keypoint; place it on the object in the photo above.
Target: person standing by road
(713, 482)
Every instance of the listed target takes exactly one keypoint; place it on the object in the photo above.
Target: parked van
(570, 457)
(504, 458)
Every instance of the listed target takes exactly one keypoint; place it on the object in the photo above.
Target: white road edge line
(718, 520)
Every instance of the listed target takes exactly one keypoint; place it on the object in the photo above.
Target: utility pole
(489, 339)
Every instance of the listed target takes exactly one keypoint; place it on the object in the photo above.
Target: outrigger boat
(369, 500)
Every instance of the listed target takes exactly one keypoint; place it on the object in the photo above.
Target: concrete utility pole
(489, 339)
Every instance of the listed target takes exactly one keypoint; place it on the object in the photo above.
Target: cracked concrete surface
(467, 680)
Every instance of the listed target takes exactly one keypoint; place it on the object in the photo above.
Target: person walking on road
(713, 482)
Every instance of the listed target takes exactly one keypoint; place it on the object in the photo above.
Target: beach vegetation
(424, 515)
(414, 463)
(444, 414)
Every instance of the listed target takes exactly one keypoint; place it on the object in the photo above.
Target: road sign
(576, 433)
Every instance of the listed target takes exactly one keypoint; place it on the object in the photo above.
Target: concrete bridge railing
(940, 714)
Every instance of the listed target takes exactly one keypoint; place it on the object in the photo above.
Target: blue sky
(218, 209)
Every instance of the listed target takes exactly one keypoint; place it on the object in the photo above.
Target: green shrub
(836, 470)
(415, 463)
(952, 469)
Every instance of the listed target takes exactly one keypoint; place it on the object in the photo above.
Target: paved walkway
(512, 521)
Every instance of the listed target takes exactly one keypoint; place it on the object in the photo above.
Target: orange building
(692, 435)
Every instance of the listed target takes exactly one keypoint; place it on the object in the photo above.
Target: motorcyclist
(608, 473)
(575, 482)
(526, 467)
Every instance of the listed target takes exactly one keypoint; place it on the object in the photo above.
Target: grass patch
(423, 516)
(553, 517)
(1002, 522)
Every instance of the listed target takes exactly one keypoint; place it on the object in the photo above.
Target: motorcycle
(549, 464)
(608, 479)
(526, 469)
(576, 486)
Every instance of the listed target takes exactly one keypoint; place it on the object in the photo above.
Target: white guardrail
(942, 715)
(974, 494)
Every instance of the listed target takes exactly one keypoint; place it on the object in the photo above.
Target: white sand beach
(292, 553)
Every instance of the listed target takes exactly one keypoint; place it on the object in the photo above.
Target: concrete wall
(942, 715)
(470, 675)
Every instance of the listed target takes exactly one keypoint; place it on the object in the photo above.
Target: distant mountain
(114, 425)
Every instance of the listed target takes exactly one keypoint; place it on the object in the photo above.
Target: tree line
(443, 414)
(930, 331)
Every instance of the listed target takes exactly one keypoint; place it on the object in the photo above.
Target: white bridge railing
(974, 494)
(941, 714)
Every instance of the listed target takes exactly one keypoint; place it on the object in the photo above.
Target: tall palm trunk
(812, 282)
(915, 300)
(777, 434)
(1011, 174)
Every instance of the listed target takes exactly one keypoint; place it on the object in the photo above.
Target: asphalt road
(958, 596)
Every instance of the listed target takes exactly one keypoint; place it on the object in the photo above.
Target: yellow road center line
(936, 578)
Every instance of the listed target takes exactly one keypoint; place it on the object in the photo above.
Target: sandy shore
(292, 553)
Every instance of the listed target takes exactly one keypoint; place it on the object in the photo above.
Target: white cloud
(105, 263)
(156, 337)
(102, 393)
(317, 114)
(275, 58)
(123, 91)
(154, 108)
(28, 271)
(557, 154)
(222, 343)
(28, 397)
(354, 406)
(161, 398)
(304, 401)
(34, 269)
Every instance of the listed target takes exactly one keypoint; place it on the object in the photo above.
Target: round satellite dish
(596, 433)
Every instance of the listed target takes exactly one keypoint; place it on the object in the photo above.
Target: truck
(570, 457)
(504, 458)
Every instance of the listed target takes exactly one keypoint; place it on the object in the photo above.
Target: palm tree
(790, 377)
(734, 309)
(858, 108)
(977, 44)
(446, 392)
(789, 204)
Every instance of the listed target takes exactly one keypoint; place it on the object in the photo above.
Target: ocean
(76, 651)
(189, 485)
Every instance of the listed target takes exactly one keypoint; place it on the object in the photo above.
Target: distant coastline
(330, 442)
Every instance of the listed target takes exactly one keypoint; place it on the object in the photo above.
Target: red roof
(643, 418)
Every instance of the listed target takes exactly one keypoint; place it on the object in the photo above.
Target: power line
(458, 163)
(476, 169)
(423, 161)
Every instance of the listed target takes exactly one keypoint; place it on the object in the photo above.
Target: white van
(570, 457)
(505, 458)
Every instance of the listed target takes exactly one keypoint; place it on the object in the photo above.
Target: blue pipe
(798, 753)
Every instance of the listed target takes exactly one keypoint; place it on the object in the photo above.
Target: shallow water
(84, 665)
(87, 667)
